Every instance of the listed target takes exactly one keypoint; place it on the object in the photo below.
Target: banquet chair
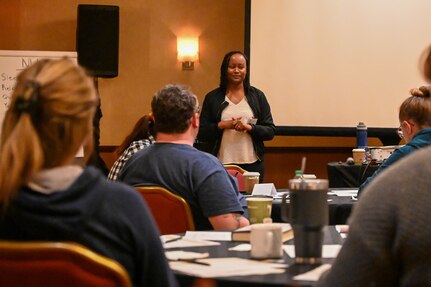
(170, 211)
(237, 172)
(52, 264)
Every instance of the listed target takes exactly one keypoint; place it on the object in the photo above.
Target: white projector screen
(333, 63)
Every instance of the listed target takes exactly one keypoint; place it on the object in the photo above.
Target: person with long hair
(415, 128)
(44, 196)
(140, 137)
(236, 117)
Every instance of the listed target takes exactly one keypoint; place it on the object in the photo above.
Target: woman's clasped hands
(236, 124)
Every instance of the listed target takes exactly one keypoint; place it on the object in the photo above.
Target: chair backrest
(237, 172)
(171, 212)
(51, 264)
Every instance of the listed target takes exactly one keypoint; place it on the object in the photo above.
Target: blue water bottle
(361, 135)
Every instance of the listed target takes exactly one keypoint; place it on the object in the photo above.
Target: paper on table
(313, 275)
(179, 254)
(328, 251)
(224, 267)
(343, 230)
(209, 235)
(264, 189)
(281, 193)
(169, 237)
(344, 192)
(185, 242)
(241, 247)
(288, 200)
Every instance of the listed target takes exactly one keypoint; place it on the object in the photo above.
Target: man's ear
(195, 120)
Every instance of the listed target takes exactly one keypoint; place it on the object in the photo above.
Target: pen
(193, 261)
(173, 239)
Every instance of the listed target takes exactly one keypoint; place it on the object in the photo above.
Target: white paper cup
(358, 155)
(250, 179)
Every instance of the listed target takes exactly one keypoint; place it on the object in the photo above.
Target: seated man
(173, 162)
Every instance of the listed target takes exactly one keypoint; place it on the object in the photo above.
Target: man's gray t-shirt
(196, 176)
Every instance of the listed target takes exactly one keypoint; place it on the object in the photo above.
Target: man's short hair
(173, 108)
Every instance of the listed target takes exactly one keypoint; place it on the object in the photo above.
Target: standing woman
(236, 117)
(44, 196)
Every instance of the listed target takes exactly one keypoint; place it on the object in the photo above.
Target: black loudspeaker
(97, 37)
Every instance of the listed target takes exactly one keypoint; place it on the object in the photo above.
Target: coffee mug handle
(285, 208)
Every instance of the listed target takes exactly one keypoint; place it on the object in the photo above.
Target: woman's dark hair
(417, 107)
(143, 130)
(223, 71)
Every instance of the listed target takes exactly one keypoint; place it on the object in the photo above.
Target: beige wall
(338, 62)
(148, 30)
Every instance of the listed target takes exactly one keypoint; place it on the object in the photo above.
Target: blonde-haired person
(415, 128)
(44, 196)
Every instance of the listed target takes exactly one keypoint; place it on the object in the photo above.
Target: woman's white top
(236, 147)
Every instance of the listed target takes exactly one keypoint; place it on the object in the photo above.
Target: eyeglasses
(400, 132)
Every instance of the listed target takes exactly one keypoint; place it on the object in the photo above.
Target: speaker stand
(95, 159)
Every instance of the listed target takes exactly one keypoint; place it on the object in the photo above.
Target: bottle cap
(361, 125)
(298, 172)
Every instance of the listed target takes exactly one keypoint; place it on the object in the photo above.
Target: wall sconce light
(188, 52)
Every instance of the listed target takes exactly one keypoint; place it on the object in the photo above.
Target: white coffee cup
(250, 179)
(266, 241)
(358, 155)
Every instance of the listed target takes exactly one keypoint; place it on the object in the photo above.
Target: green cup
(258, 209)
